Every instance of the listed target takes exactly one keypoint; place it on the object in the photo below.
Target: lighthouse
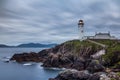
(81, 30)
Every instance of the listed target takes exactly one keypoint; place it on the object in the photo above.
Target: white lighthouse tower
(81, 30)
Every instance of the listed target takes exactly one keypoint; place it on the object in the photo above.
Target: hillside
(112, 56)
(2, 45)
(77, 48)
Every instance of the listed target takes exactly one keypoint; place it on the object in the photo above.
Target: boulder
(72, 75)
(57, 60)
(78, 64)
(95, 66)
(94, 77)
(114, 76)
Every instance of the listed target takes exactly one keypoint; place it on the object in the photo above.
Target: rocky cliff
(68, 53)
(77, 55)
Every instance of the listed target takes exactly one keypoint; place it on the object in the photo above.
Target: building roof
(105, 34)
(101, 36)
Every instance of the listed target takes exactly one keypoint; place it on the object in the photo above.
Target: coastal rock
(78, 64)
(95, 66)
(68, 50)
(104, 77)
(66, 61)
(26, 57)
(94, 77)
(68, 55)
(44, 53)
(85, 75)
(72, 75)
(114, 76)
(58, 60)
(77, 55)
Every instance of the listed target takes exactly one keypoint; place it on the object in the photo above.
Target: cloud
(23, 21)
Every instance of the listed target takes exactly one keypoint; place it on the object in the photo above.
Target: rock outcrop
(27, 57)
(72, 75)
(63, 53)
(95, 66)
(71, 54)
(85, 75)
(78, 56)
(31, 57)
(72, 62)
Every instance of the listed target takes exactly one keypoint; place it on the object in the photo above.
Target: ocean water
(26, 71)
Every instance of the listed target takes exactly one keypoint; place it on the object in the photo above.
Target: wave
(31, 63)
(5, 59)
(55, 68)
(27, 64)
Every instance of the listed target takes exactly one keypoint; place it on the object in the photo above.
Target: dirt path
(104, 46)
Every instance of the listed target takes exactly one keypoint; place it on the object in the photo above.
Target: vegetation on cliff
(77, 48)
(112, 56)
(77, 55)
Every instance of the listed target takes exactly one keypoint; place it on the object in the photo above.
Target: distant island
(35, 45)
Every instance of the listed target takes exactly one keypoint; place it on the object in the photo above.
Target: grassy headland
(111, 58)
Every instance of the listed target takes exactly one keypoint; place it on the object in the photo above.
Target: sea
(24, 71)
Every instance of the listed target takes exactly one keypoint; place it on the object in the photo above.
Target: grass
(76, 46)
(112, 44)
(112, 56)
(109, 43)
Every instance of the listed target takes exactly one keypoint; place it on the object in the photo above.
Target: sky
(55, 21)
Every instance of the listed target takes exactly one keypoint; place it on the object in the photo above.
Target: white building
(101, 36)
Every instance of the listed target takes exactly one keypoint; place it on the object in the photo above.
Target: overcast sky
(55, 21)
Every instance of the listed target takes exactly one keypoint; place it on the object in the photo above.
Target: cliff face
(74, 53)
(73, 48)
(85, 75)
(76, 48)
(78, 55)
(71, 54)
